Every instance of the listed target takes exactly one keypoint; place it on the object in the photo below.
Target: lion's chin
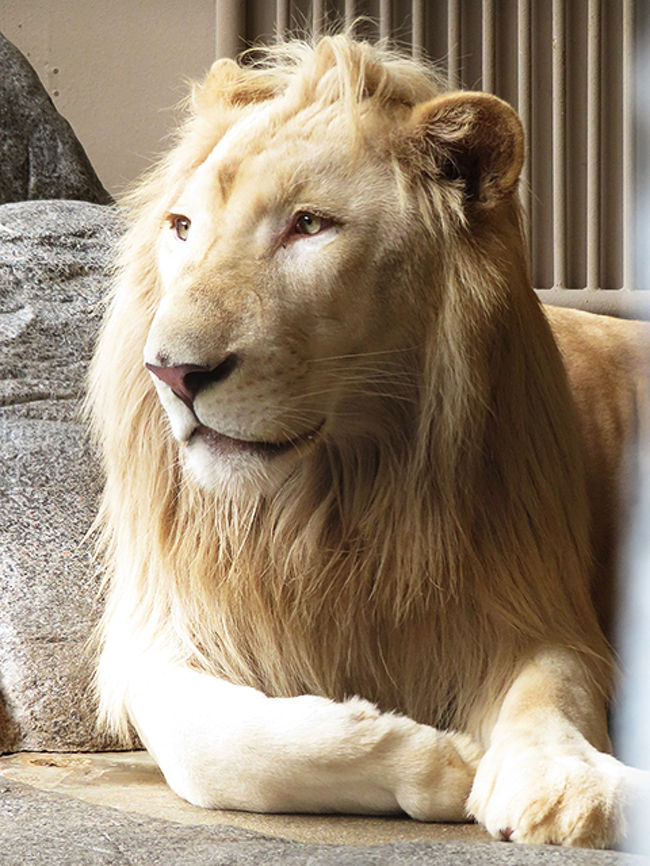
(241, 467)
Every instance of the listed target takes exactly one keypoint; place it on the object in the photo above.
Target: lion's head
(364, 410)
(300, 258)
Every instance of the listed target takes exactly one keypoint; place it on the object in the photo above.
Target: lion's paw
(563, 796)
(436, 774)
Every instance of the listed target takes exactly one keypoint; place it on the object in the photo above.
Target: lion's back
(608, 365)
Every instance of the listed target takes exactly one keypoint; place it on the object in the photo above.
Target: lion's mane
(412, 567)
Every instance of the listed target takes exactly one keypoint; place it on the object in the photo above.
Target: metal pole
(628, 144)
(230, 26)
(453, 43)
(318, 17)
(523, 103)
(385, 19)
(559, 145)
(593, 145)
(488, 71)
(350, 13)
(281, 18)
(417, 25)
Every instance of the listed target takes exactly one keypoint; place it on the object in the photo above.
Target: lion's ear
(233, 84)
(473, 137)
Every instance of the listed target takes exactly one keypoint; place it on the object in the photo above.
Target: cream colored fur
(288, 629)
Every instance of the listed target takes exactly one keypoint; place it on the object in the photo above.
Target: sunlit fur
(416, 554)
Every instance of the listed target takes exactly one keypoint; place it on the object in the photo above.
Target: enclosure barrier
(568, 68)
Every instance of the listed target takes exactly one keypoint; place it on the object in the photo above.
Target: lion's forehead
(281, 145)
(245, 132)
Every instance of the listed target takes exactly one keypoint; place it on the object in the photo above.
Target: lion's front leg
(221, 745)
(545, 777)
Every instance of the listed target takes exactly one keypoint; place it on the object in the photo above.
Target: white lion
(351, 516)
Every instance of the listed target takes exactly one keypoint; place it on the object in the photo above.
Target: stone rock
(53, 275)
(40, 156)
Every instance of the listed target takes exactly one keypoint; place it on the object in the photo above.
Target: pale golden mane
(420, 530)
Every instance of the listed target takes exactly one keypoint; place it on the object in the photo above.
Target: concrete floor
(114, 809)
(131, 782)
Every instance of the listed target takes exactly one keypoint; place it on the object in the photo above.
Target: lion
(358, 510)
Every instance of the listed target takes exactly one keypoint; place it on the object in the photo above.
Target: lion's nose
(186, 380)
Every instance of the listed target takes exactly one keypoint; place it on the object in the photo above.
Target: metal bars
(567, 66)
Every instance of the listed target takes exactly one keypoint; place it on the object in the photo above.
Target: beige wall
(115, 69)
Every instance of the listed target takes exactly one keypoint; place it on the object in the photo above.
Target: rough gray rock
(53, 274)
(40, 156)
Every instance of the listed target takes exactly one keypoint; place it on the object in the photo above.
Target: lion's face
(298, 271)
(280, 261)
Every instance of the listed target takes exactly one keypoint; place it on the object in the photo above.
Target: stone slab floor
(115, 809)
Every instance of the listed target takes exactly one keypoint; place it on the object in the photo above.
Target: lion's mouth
(225, 445)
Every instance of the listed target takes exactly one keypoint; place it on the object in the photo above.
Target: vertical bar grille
(569, 74)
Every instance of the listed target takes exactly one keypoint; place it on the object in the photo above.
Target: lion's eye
(309, 224)
(181, 225)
